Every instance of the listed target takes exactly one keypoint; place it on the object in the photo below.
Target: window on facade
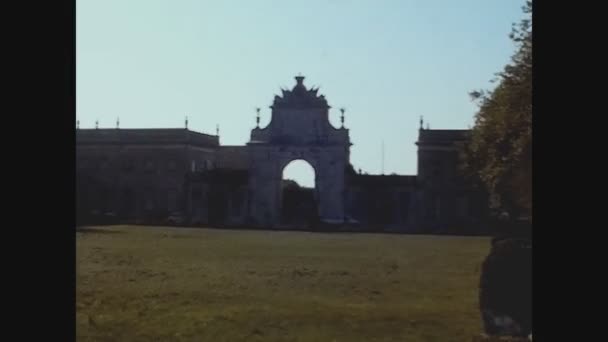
(148, 199)
(463, 206)
(172, 200)
(127, 200)
(128, 165)
(236, 203)
(148, 166)
(404, 198)
(172, 165)
(149, 204)
(436, 170)
(197, 194)
(437, 208)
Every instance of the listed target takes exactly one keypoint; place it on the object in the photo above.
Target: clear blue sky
(152, 62)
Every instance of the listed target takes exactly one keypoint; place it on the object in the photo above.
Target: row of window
(462, 207)
(172, 202)
(149, 166)
(201, 165)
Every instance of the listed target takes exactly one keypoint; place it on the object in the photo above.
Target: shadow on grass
(96, 230)
(325, 229)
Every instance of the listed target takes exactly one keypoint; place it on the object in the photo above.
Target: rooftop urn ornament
(217, 130)
(77, 124)
(117, 123)
(257, 118)
(421, 122)
(342, 110)
(96, 124)
(186, 122)
(300, 79)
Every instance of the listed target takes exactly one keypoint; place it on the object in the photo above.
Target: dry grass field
(183, 284)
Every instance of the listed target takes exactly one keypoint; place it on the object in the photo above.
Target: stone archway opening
(299, 202)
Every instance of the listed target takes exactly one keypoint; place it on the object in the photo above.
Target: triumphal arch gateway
(299, 129)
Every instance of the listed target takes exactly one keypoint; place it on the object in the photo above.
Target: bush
(505, 291)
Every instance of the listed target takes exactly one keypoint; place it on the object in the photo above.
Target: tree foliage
(499, 153)
(290, 184)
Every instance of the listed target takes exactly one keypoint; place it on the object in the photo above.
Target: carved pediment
(300, 97)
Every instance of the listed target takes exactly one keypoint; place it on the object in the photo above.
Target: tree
(499, 152)
(290, 184)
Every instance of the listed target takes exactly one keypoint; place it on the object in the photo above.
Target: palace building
(149, 175)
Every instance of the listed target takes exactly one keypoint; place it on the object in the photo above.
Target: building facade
(147, 175)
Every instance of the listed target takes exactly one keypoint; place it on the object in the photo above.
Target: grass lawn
(179, 284)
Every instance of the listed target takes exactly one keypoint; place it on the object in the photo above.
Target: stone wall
(137, 178)
(448, 201)
(381, 202)
(218, 197)
(233, 157)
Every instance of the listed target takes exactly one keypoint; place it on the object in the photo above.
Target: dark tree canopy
(499, 154)
(290, 184)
